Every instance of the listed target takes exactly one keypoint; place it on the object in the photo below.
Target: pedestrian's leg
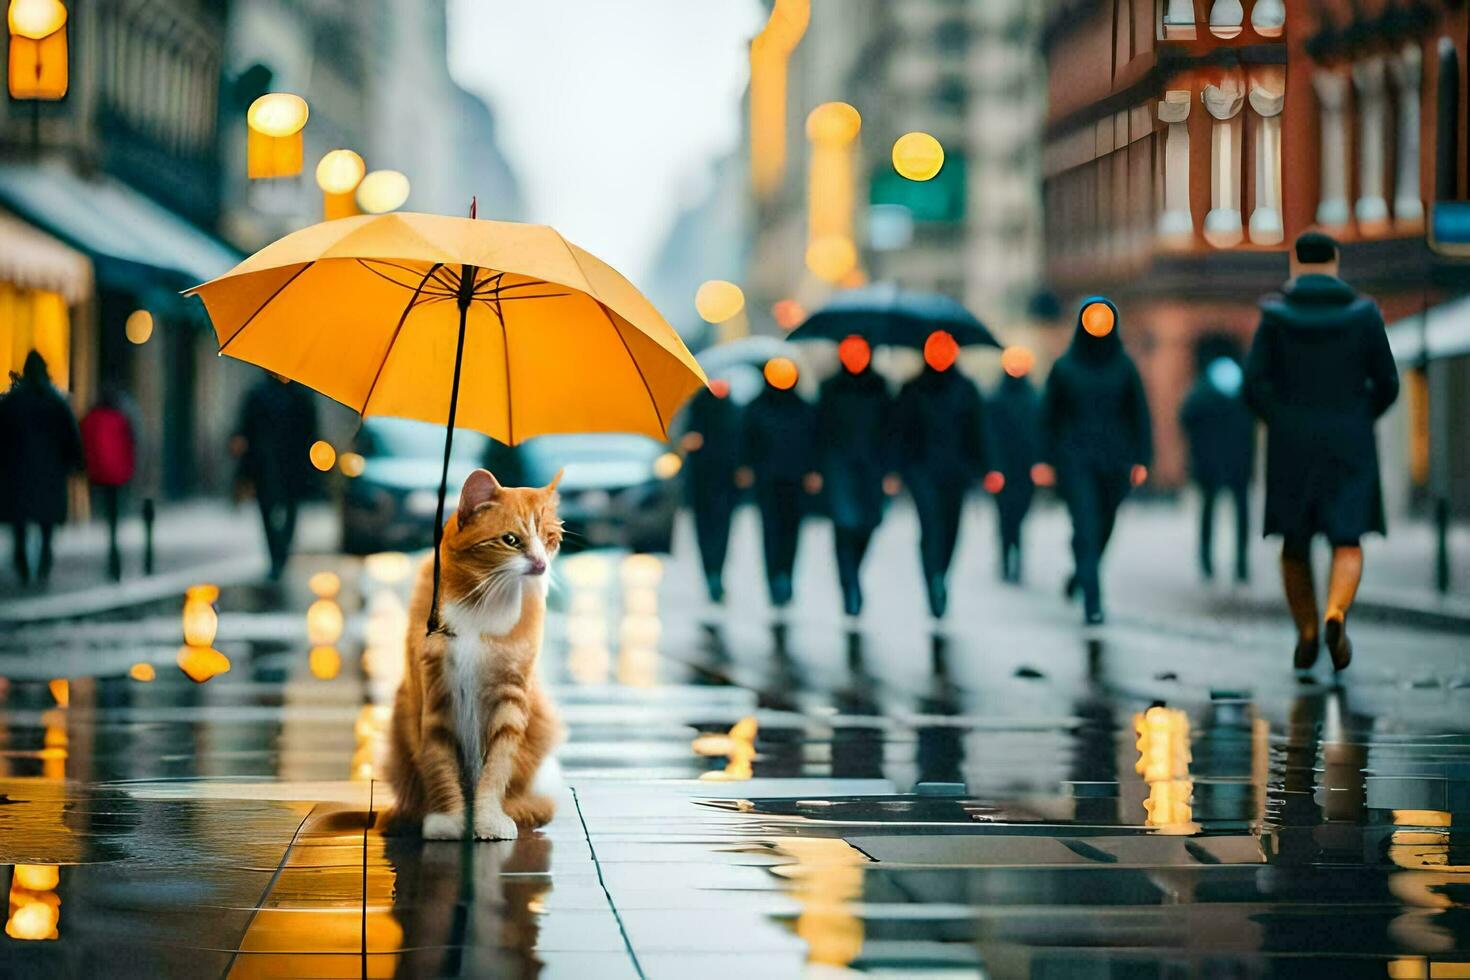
(43, 567)
(1207, 494)
(845, 539)
(1242, 495)
(288, 528)
(114, 554)
(1342, 588)
(1301, 598)
(932, 549)
(18, 553)
(789, 537)
(1087, 523)
(268, 520)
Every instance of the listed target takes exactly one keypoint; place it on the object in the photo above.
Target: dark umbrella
(889, 316)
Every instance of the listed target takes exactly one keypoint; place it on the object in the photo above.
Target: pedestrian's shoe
(938, 596)
(1094, 617)
(1307, 649)
(716, 587)
(1339, 647)
(852, 600)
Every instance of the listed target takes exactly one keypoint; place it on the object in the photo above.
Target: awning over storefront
(133, 241)
(32, 259)
(1448, 332)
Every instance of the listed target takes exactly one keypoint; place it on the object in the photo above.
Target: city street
(742, 795)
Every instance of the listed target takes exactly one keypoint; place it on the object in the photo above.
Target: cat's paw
(530, 810)
(444, 826)
(493, 823)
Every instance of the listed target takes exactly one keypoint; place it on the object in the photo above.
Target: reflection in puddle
(1163, 762)
(827, 879)
(738, 745)
(35, 908)
(639, 633)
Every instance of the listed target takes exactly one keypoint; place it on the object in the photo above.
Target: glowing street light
(832, 129)
(323, 456)
(382, 191)
(917, 156)
(831, 257)
(138, 327)
(717, 300)
(337, 174)
(38, 65)
(274, 144)
(770, 53)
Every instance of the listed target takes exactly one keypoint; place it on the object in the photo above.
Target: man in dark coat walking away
(273, 440)
(39, 449)
(1099, 439)
(853, 416)
(711, 446)
(1015, 426)
(1222, 434)
(778, 456)
(1320, 373)
(939, 425)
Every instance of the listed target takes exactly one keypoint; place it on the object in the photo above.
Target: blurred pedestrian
(939, 426)
(711, 445)
(109, 445)
(1015, 424)
(778, 458)
(853, 416)
(1319, 374)
(1098, 438)
(39, 449)
(1222, 433)
(273, 439)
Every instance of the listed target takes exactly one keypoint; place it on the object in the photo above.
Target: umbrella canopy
(501, 327)
(887, 315)
(367, 311)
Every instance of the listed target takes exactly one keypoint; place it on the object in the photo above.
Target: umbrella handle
(466, 294)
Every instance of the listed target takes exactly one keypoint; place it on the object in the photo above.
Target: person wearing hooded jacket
(1015, 423)
(711, 445)
(853, 415)
(939, 425)
(1222, 434)
(1319, 374)
(40, 448)
(778, 458)
(1098, 438)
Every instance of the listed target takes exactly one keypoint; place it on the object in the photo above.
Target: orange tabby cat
(471, 722)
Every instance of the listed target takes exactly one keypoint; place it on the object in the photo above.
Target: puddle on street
(1043, 826)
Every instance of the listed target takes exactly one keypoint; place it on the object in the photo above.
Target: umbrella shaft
(466, 291)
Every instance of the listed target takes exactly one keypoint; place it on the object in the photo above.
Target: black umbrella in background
(889, 316)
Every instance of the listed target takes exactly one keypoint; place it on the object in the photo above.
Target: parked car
(390, 505)
(617, 490)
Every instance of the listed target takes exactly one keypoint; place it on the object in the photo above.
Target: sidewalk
(194, 541)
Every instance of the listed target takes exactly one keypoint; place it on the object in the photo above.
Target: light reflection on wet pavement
(737, 804)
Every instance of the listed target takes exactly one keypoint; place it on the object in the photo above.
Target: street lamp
(274, 146)
(382, 191)
(917, 156)
(38, 56)
(338, 173)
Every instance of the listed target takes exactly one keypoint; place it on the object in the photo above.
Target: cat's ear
(551, 487)
(480, 488)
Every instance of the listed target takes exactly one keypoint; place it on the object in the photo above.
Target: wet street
(749, 796)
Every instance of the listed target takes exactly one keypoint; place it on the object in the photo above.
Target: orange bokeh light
(719, 387)
(995, 481)
(855, 354)
(940, 350)
(788, 313)
(781, 372)
(1017, 361)
(1098, 319)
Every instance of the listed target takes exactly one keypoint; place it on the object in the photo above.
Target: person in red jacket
(110, 450)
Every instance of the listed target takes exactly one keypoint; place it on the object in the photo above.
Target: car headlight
(667, 466)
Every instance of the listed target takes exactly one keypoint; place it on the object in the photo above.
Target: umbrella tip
(474, 205)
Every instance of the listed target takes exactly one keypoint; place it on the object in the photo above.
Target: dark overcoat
(40, 447)
(779, 437)
(1320, 372)
(278, 424)
(710, 469)
(939, 429)
(1222, 435)
(854, 412)
(1015, 446)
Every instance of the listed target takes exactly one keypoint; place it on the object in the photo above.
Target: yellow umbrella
(501, 327)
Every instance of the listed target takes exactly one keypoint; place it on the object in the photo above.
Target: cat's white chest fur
(465, 674)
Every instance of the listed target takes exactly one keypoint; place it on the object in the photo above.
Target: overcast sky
(610, 110)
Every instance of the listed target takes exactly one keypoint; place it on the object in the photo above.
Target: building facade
(1188, 142)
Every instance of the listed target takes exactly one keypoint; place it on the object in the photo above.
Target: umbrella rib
(248, 320)
(392, 341)
(638, 367)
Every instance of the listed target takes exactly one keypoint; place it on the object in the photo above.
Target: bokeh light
(325, 662)
(340, 171)
(277, 114)
(833, 123)
(36, 19)
(388, 566)
(781, 372)
(1017, 361)
(324, 622)
(323, 456)
(831, 257)
(324, 584)
(940, 350)
(717, 300)
(788, 313)
(142, 672)
(138, 327)
(382, 191)
(917, 156)
(667, 466)
(719, 387)
(200, 664)
(855, 354)
(1098, 319)
(351, 464)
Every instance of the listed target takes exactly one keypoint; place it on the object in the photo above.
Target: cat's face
(501, 537)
